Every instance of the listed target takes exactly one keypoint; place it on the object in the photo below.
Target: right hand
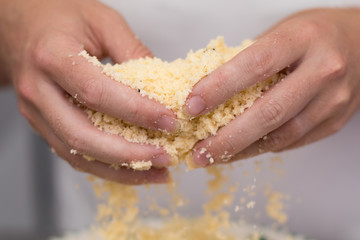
(39, 45)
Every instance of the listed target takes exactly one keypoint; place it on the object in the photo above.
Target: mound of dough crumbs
(170, 83)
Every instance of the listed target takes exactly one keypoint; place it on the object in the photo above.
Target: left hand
(320, 47)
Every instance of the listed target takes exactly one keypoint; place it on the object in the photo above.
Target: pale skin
(40, 40)
(320, 48)
(39, 45)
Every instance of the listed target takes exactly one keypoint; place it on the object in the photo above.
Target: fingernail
(195, 105)
(167, 123)
(202, 157)
(161, 160)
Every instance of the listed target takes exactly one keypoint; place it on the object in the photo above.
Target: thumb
(116, 38)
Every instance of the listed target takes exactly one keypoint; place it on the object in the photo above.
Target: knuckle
(75, 142)
(92, 93)
(274, 141)
(42, 53)
(139, 50)
(218, 86)
(334, 67)
(341, 98)
(227, 144)
(271, 113)
(336, 126)
(24, 110)
(310, 28)
(279, 140)
(139, 113)
(26, 91)
(260, 61)
(297, 129)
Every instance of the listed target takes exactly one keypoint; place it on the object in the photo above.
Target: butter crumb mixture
(170, 83)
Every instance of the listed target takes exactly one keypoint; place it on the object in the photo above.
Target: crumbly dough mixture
(170, 83)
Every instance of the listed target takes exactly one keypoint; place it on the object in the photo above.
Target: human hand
(320, 50)
(39, 46)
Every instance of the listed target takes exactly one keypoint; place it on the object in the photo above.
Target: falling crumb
(275, 206)
(258, 166)
(250, 204)
(53, 150)
(249, 188)
(211, 160)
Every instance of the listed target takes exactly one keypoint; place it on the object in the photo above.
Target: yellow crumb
(250, 204)
(275, 206)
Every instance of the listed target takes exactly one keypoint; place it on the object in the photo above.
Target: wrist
(13, 36)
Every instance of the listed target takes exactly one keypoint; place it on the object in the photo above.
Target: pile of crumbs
(170, 83)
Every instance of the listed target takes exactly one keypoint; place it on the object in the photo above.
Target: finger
(292, 131)
(280, 104)
(73, 127)
(97, 168)
(105, 171)
(333, 100)
(326, 128)
(115, 35)
(90, 86)
(263, 59)
(323, 130)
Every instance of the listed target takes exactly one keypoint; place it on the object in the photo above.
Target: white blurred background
(40, 195)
